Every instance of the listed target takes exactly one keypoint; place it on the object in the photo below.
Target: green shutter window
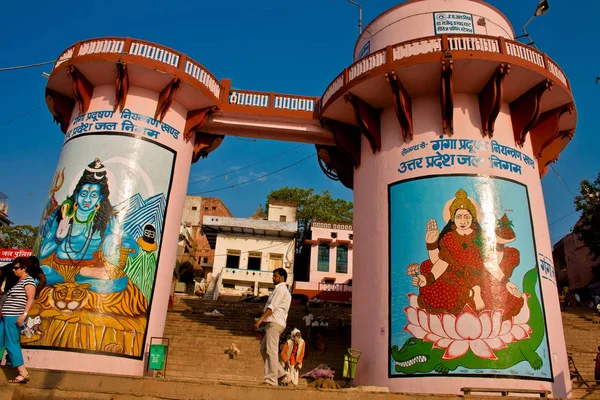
(341, 262)
(323, 259)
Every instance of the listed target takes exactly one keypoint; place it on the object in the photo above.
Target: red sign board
(7, 255)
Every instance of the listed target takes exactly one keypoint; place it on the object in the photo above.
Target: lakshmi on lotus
(460, 270)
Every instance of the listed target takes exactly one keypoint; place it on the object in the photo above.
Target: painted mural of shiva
(89, 302)
(461, 270)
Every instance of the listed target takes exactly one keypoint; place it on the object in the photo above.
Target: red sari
(450, 292)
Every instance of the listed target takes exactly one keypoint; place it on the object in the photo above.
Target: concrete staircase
(58, 385)
(198, 342)
(198, 368)
(582, 334)
(210, 290)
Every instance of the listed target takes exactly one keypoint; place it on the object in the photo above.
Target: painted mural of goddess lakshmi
(469, 308)
(459, 270)
(90, 303)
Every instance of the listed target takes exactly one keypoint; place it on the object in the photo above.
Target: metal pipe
(359, 15)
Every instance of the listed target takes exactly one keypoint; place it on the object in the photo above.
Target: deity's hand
(432, 234)
(63, 228)
(513, 289)
(413, 269)
(419, 280)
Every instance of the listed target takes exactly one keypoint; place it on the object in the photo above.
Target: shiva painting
(464, 286)
(100, 243)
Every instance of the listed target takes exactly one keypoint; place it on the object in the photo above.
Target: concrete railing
(439, 44)
(248, 275)
(272, 101)
(334, 287)
(145, 50)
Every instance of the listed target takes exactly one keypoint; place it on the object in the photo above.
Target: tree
(313, 207)
(588, 202)
(17, 236)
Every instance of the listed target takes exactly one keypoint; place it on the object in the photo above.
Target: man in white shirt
(308, 319)
(275, 316)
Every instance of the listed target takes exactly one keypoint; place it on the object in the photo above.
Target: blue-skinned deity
(83, 253)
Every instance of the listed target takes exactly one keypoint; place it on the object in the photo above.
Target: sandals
(24, 379)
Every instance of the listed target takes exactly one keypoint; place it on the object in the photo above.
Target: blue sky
(280, 46)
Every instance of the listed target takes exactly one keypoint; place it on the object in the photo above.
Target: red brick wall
(211, 206)
(578, 261)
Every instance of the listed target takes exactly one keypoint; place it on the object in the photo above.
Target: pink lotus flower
(481, 332)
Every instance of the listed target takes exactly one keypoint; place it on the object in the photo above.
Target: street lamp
(541, 9)
(359, 15)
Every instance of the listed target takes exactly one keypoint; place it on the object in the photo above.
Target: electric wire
(22, 115)
(26, 66)
(561, 218)
(562, 180)
(256, 178)
(200, 180)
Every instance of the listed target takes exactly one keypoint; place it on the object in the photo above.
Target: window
(341, 261)
(205, 260)
(275, 261)
(323, 258)
(351, 236)
(194, 208)
(205, 208)
(233, 259)
(334, 235)
(282, 218)
(214, 208)
(254, 260)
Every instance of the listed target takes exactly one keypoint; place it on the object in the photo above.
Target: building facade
(193, 245)
(572, 255)
(4, 221)
(328, 262)
(247, 251)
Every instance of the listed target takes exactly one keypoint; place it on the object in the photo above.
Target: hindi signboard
(453, 22)
(8, 255)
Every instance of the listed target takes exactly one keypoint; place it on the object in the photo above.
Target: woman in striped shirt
(19, 300)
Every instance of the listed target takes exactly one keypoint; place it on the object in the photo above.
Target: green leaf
(313, 206)
(588, 202)
(17, 236)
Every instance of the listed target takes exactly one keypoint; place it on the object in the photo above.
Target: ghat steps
(198, 368)
(582, 335)
(56, 385)
(198, 342)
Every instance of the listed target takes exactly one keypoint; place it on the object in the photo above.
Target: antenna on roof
(359, 15)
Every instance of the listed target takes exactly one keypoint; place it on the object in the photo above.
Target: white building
(329, 262)
(248, 250)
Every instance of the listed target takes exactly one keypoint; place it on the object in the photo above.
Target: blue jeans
(10, 337)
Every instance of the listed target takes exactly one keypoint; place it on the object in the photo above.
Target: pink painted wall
(317, 276)
(144, 102)
(370, 327)
(415, 19)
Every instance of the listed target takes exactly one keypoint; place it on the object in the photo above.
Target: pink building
(329, 266)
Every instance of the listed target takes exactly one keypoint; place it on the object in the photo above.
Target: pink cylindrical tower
(444, 126)
(131, 113)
